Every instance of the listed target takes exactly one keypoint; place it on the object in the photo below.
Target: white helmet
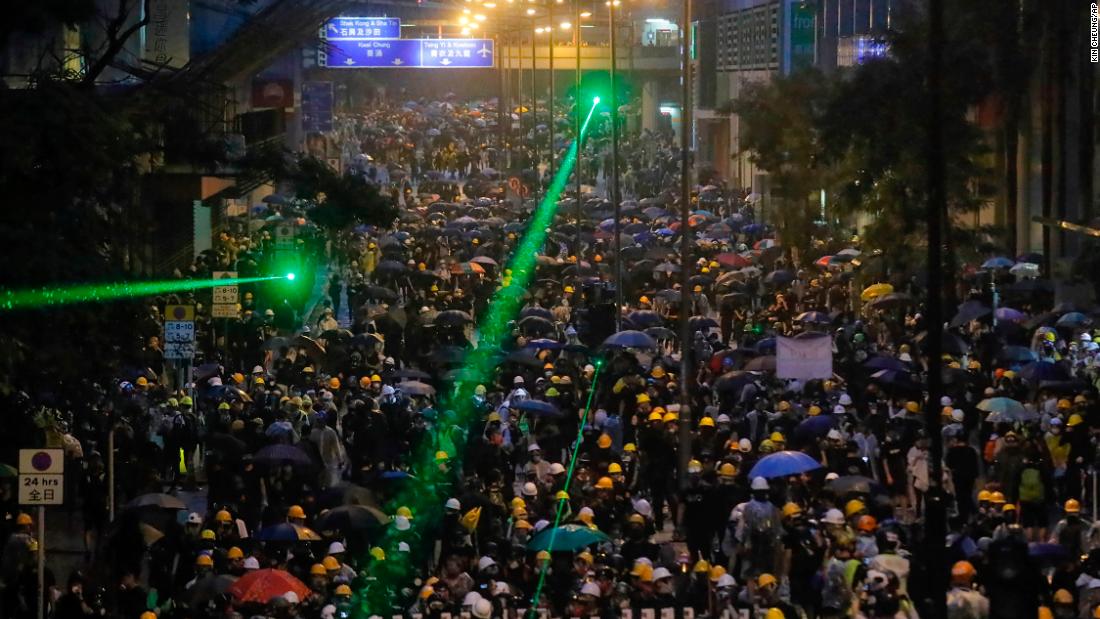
(725, 580)
(591, 588)
(845, 399)
(529, 489)
(452, 503)
(484, 563)
(759, 483)
(660, 573)
(833, 516)
(471, 598)
(483, 609)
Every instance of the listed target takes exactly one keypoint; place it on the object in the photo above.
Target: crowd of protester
(296, 443)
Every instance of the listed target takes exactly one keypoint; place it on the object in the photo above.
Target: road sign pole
(41, 562)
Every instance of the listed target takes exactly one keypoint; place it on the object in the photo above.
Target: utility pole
(577, 167)
(686, 365)
(550, 101)
(935, 513)
(616, 199)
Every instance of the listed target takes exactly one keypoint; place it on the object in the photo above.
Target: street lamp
(577, 166)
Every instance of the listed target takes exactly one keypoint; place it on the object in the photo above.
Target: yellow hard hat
(997, 498)
(791, 509)
(442, 455)
(317, 570)
(784, 406)
(912, 406)
(334, 383)
(23, 519)
(774, 613)
(562, 495)
(657, 372)
(765, 580)
(234, 553)
(853, 507)
(670, 417)
(642, 398)
(716, 572)
(1008, 507)
(542, 556)
(653, 416)
(630, 447)
(697, 288)
(701, 566)
(814, 411)
(1072, 506)
(643, 299)
(777, 437)
(706, 422)
(207, 534)
(604, 442)
(343, 590)
(568, 289)
(330, 563)
(1075, 420)
(614, 468)
(223, 516)
(378, 554)
(1062, 596)
(404, 511)
(604, 483)
(962, 572)
(983, 496)
(522, 524)
(295, 511)
(517, 502)
(148, 615)
(727, 470)
(204, 560)
(519, 513)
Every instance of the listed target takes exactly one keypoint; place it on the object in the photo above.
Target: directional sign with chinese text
(41, 476)
(456, 52)
(360, 28)
(225, 297)
(410, 53)
(179, 350)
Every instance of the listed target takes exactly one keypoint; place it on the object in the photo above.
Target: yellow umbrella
(875, 290)
(470, 520)
(521, 109)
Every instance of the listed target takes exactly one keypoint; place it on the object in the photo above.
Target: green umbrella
(567, 537)
(7, 470)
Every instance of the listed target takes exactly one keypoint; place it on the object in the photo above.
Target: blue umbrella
(818, 318)
(538, 407)
(1000, 262)
(766, 345)
(971, 310)
(779, 278)
(1072, 319)
(1016, 354)
(1008, 314)
(645, 318)
(566, 538)
(782, 464)
(816, 426)
(1043, 370)
(630, 339)
(545, 344)
(279, 454)
(886, 363)
(286, 532)
(1051, 552)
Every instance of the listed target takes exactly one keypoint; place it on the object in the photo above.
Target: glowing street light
(566, 25)
(490, 5)
(462, 21)
(531, 11)
(586, 14)
(465, 32)
(480, 17)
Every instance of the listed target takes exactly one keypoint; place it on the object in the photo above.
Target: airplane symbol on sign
(349, 61)
(445, 61)
(397, 61)
(484, 51)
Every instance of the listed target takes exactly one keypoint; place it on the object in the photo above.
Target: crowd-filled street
(668, 342)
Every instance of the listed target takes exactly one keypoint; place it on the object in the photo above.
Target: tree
(342, 200)
(874, 133)
(780, 127)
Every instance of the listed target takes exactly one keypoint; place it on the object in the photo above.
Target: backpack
(1031, 486)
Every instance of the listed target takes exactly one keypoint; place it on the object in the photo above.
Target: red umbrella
(262, 585)
(732, 260)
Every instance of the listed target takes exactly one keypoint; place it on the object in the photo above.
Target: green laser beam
(568, 481)
(480, 363)
(97, 293)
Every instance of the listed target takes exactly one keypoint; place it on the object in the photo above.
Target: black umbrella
(537, 325)
(156, 500)
(453, 317)
(524, 357)
(349, 518)
(380, 293)
(282, 454)
(854, 484)
(971, 310)
(952, 344)
(732, 382)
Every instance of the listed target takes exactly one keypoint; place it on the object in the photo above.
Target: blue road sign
(317, 107)
(456, 53)
(409, 53)
(362, 28)
(380, 53)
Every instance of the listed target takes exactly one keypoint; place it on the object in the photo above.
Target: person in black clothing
(697, 506)
(963, 463)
